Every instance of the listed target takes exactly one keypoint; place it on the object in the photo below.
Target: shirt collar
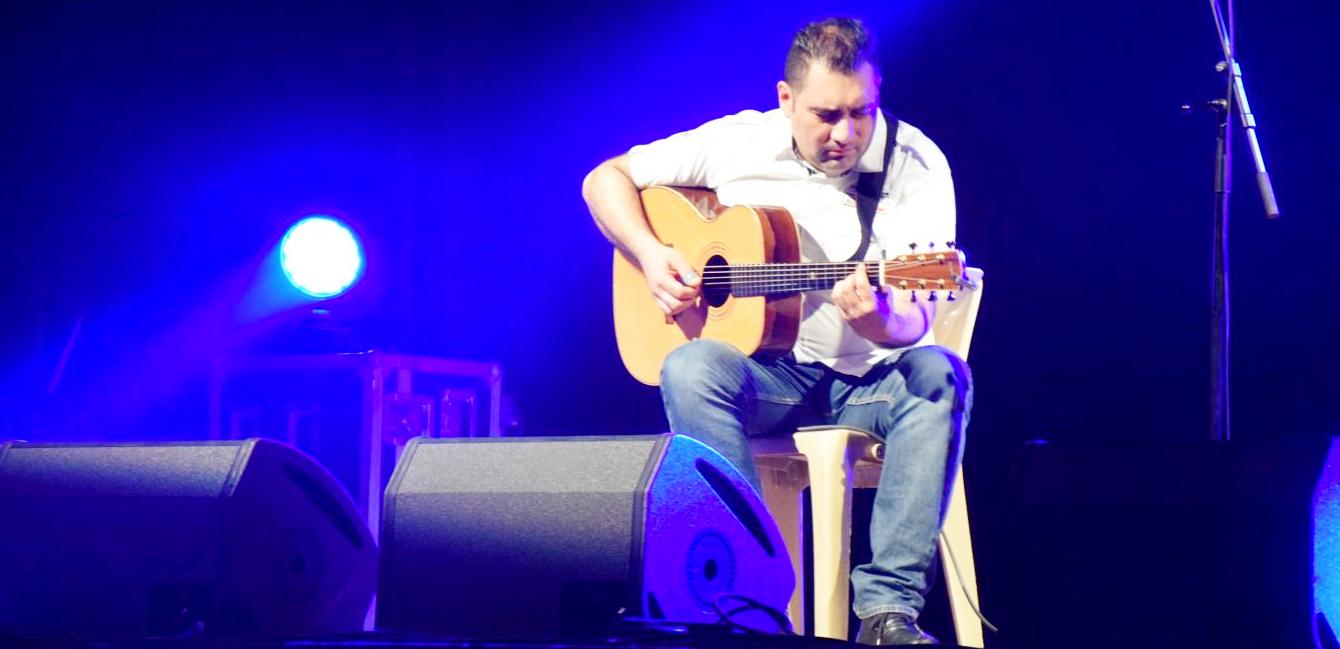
(872, 161)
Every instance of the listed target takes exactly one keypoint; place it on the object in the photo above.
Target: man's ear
(786, 99)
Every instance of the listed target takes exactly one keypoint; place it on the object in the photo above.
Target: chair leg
(782, 493)
(956, 542)
(830, 458)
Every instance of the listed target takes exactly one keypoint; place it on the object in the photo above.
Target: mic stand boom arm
(1238, 93)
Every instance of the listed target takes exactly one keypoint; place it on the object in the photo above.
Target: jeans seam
(866, 613)
(865, 401)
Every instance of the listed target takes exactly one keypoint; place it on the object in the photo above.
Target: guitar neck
(935, 271)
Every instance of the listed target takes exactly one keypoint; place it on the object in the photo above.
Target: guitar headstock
(928, 270)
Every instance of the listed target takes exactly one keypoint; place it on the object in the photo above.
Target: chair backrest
(954, 321)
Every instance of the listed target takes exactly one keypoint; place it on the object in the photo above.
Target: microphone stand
(1236, 96)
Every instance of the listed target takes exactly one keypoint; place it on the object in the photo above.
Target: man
(863, 356)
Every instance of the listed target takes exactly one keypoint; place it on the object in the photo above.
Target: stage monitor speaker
(559, 536)
(223, 538)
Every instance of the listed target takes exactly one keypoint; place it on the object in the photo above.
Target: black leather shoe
(884, 629)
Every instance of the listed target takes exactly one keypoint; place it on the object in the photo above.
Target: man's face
(832, 115)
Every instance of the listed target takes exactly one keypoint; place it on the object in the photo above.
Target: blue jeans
(917, 401)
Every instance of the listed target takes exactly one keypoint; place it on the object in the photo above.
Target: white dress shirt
(749, 159)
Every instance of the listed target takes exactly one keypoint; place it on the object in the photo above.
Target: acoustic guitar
(749, 260)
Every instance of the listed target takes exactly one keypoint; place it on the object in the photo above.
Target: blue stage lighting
(321, 256)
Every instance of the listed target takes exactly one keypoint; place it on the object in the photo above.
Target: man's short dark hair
(842, 44)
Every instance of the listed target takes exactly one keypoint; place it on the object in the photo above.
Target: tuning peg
(912, 247)
(951, 244)
(914, 296)
(933, 296)
(932, 245)
(950, 297)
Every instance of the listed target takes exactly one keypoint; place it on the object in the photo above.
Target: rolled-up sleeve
(697, 158)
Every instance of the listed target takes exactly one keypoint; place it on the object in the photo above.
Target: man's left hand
(870, 311)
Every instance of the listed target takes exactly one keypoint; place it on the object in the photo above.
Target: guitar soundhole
(716, 281)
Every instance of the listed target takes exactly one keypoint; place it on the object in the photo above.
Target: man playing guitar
(863, 354)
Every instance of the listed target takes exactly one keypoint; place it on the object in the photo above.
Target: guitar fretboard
(748, 280)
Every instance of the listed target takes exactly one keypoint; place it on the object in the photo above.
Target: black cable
(751, 604)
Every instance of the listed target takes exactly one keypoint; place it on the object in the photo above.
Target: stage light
(321, 256)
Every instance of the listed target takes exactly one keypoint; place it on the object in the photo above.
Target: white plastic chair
(833, 460)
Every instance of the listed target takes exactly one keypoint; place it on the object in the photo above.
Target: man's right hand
(617, 209)
(672, 281)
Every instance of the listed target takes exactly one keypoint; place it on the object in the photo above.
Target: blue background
(156, 152)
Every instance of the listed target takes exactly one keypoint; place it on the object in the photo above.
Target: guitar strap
(870, 187)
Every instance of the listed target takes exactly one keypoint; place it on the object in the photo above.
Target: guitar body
(709, 236)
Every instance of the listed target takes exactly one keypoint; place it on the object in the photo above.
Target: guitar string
(797, 273)
(803, 276)
(802, 280)
(874, 272)
(766, 276)
(899, 259)
(735, 279)
(820, 266)
(815, 286)
(806, 287)
(894, 279)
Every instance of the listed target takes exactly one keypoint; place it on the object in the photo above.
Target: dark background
(156, 152)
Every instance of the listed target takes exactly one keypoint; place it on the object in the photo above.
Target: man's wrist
(640, 245)
(899, 331)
